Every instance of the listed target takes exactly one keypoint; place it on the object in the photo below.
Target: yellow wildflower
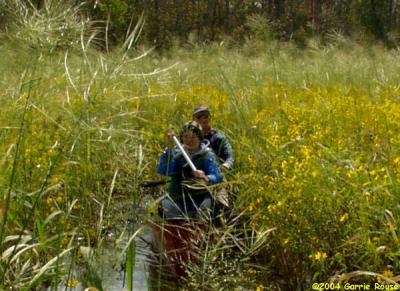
(344, 217)
(271, 208)
(71, 283)
(396, 161)
(388, 274)
(319, 256)
(59, 199)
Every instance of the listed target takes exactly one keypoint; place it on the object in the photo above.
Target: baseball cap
(200, 108)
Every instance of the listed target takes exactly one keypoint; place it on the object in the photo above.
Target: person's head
(202, 115)
(191, 135)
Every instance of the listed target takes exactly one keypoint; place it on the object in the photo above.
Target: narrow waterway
(112, 273)
(116, 280)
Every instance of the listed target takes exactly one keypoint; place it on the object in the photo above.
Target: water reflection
(111, 273)
(116, 280)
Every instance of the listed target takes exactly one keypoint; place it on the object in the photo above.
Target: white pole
(185, 155)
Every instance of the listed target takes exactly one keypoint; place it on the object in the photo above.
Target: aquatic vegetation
(320, 165)
(315, 134)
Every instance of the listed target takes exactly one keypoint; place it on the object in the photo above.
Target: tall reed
(314, 132)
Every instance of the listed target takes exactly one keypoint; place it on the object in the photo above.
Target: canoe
(174, 243)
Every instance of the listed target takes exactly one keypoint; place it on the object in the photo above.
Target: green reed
(85, 127)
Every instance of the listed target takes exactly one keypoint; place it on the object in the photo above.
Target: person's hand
(199, 174)
(226, 166)
(169, 137)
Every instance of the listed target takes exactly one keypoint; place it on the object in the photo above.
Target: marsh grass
(315, 133)
(58, 187)
(197, 254)
(225, 258)
(55, 25)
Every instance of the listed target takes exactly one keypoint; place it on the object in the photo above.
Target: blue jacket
(173, 164)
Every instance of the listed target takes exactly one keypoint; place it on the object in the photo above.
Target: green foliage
(260, 28)
(116, 13)
(168, 23)
(130, 264)
(373, 16)
(315, 133)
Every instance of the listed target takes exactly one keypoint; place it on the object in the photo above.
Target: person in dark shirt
(218, 141)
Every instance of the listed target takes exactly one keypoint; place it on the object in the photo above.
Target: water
(111, 272)
(116, 280)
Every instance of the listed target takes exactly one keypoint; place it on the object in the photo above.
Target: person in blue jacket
(188, 191)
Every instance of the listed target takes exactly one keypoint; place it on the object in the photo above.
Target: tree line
(169, 21)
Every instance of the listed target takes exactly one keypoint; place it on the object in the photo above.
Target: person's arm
(228, 153)
(212, 170)
(224, 150)
(166, 164)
